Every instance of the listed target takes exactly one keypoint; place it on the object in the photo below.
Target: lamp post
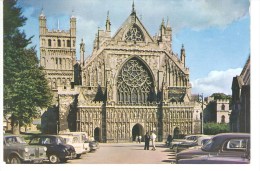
(57, 124)
(201, 100)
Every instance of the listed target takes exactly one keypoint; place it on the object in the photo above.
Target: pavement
(127, 153)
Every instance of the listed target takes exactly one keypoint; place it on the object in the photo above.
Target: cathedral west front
(131, 84)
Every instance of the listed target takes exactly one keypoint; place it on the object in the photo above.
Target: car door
(234, 147)
(49, 142)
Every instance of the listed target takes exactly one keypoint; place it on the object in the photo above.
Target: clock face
(134, 34)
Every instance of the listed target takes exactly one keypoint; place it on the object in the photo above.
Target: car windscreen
(15, 140)
(60, 140)
(207, 146)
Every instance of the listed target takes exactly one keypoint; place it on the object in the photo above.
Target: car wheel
(54, 159)
(14, 160)
(78, 156)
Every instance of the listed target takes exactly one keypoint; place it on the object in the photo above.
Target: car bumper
(35, 160)
(71, 156)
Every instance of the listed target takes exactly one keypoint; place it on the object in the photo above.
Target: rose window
(134, 82)
(134, 34)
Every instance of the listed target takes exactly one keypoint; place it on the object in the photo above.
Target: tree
(25, 87)
(218, 96)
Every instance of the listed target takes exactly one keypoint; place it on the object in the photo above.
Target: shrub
(215, 128)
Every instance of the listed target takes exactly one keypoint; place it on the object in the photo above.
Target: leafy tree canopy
(218, 96)
(25, 87)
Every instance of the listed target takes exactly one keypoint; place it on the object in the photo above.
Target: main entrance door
(137, 130)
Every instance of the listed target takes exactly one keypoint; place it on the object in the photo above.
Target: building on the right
(240, 114)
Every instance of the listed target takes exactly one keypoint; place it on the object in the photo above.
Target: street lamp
(200, 100)
(57, 124)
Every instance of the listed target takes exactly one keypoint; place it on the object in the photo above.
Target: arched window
(59, 43)
(68, 43)
(223, 119)
(223, 107)
(49, 42)
(134, 83)
(134, 34)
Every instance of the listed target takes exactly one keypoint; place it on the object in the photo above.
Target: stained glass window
(134, 82)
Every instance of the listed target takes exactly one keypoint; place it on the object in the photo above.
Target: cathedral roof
(132, 22)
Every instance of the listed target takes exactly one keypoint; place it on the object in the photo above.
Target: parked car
(208, 159)
(94, 145)
(57, 150)
(192, 144)
(16, 151)
(225, 144)
(81, 136)
(80, 147)
(216, 159)
(188, 139)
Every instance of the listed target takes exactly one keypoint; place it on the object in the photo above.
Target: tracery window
(134, 34)
(134, 83)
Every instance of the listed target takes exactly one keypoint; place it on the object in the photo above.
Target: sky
(215, 33)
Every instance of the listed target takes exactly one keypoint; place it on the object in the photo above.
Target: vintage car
(16, 150)
(57, 150)
(81, 136)
(192, 144)
(208, 159)
(80, 147)
(222, 145)
(94, 145)
(190, 139)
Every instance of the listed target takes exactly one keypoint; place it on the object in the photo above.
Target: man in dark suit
(146, 141)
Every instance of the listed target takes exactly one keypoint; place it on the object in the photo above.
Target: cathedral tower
(58, 53)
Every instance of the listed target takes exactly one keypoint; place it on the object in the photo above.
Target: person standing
(146, 141)
(153, 137)
(169, 140)
(139, 139)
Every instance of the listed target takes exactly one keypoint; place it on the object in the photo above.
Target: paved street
(126, 153)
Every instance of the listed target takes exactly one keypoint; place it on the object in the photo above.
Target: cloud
(91, 14)
(215, 82)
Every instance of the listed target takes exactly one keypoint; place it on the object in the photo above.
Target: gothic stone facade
(132, 83)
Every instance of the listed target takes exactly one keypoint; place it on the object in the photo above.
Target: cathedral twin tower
(132, 83)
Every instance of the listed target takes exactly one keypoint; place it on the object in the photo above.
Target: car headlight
(26, 150)
(45, 148)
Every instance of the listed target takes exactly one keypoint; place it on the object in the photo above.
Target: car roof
(45, 135)
(232, 135)
(11, 135)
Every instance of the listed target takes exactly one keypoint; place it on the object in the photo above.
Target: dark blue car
(57, 150)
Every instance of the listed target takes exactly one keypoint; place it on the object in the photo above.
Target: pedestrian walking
(146, 141)
(153, 137)
(139, 138)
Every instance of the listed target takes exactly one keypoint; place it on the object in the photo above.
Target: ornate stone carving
(134, 34)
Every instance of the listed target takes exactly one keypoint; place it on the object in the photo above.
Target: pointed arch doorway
(137, 130)
(176, 132)
(97, 134)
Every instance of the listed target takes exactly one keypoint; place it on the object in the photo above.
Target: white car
(82, 136)
(80, 147)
